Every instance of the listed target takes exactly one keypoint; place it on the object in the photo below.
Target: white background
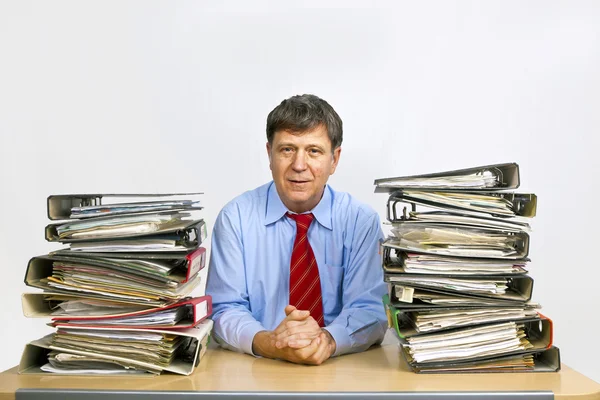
(148, 96)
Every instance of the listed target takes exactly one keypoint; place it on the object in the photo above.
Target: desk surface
(379, 369)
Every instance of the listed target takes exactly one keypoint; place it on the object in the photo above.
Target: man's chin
(299, 200)
(300, 204)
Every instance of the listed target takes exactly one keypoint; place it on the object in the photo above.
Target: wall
(150, 96)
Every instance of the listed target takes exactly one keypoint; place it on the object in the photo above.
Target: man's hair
(303, 113)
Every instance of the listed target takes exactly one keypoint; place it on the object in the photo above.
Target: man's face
(301, 164)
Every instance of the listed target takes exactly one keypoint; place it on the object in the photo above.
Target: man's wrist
(331, 339)
(261, 344)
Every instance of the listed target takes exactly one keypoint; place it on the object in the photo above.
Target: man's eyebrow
(294, 145)
(286, 144)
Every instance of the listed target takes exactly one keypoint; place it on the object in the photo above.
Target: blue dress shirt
(249, 271)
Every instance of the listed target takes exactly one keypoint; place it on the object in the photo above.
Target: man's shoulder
(248, 200)
(348, 205)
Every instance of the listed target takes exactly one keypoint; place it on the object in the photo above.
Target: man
(295, 272)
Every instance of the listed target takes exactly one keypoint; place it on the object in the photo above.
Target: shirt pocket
(332, 290)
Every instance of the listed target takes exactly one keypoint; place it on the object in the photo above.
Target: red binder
(195, 311)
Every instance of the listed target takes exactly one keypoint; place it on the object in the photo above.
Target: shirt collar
(276, 209)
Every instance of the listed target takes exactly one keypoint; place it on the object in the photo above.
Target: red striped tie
(305, 285)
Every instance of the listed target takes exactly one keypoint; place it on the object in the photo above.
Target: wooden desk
(377, 372)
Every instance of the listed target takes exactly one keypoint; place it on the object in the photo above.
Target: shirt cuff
(247, 336)
(342, 340)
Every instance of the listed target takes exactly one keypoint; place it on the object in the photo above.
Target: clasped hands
(298, 339)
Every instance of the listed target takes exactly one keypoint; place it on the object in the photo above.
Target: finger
(300, 343)
(298, 315)
(321, 354)
(283, 325)
(295, 327)
(285, 341)
(280, 328)
(288, 309)
(305, 352)
(291, 324)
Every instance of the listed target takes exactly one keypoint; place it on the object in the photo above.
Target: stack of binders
(459, 293)
(120, 295)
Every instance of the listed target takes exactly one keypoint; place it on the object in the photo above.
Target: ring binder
(505, 176)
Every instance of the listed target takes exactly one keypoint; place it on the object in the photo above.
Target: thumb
(289, 309)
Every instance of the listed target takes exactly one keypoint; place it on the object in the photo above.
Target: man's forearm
(356, 331)
(236, 327)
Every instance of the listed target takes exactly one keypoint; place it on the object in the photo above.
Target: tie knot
(303, 221)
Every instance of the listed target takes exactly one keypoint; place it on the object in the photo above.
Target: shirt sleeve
(234, 327)
(362, 321)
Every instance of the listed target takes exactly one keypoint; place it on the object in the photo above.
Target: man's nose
(299, 163)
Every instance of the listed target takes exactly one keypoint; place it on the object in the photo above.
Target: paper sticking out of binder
(396, 261)
(120, 295)
(459, 241)
(475, 340)
(459, 293)
(164, 224)
(110, 278)
(488, 177)
(476, 208)
(68, 310)
(68, 206)
(132, 351)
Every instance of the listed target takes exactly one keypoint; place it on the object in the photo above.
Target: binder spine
(196, 262)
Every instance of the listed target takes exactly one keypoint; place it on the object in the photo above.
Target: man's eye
(286, 149)
(314, 151)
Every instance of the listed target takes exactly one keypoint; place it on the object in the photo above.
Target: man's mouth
(297, 181)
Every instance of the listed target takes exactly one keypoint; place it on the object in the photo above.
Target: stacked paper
(120, 294)
(456, 265)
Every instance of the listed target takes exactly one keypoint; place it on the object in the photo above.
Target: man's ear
(269, 154)
(335, 159)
